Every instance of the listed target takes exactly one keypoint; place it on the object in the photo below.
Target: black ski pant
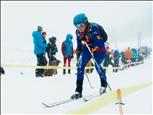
(41, 61)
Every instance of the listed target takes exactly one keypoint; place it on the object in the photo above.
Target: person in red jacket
(67, 51)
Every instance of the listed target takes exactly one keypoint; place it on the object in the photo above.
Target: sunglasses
(79, 26)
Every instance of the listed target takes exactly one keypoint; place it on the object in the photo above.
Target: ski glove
(97, 49)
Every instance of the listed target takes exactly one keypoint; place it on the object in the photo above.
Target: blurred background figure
(67, 51)
(51, 52)
(39, 50)
(2, 71)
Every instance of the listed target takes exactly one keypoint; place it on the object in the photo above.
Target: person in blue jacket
(39, 50)
(134, 55)
(95, 36)
(116, 60)
(67, 51)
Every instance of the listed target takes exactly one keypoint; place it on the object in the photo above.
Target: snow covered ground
(22, 92)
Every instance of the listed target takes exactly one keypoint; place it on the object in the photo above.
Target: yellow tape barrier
(107, 98)
(58, 67)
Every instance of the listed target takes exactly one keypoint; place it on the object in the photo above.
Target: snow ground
(23, 93)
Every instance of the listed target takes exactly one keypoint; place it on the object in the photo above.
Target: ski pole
(96, 63)
(86, 73)
(89, 81)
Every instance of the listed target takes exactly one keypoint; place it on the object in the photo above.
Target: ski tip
(85, 100)
(44, 104)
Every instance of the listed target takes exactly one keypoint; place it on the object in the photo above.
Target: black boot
(64, 71)
(103, 87)
(69, 71)
(78, 91)
(103, 83)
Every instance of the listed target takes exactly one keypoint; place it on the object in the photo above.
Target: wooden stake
(119, 97)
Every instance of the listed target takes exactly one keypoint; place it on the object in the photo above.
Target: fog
(123, 21)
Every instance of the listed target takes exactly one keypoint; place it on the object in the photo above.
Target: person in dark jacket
(108, 59)
(51, 52)
(51, 49)
(39, 50)
(2, 71)
(67, 51)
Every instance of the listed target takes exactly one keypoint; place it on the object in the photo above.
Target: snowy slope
(23, 93)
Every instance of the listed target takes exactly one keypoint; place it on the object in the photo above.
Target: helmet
(80, 18)
(52, 39)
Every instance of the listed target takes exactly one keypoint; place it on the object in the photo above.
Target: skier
(95, 36)
(67, 51)
(39, 50)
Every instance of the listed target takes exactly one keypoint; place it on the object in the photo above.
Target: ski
(92, 97)
(54, 104)
(57, 103)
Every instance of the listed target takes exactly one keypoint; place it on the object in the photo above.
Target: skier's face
(81, 27)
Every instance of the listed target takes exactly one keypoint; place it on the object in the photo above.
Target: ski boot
(39, 75)
(76, 95)
(103, 87)
(69, 71)
(78, 91)
(64, 71)
(102, 90)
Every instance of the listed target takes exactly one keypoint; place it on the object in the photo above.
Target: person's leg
(45, 64)
(65, 60)
(99, 58)
(40, 62)
(69, 64)
(80, 74)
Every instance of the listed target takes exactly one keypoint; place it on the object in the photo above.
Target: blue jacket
(134, 53)
(67, 46)
(116, 56)
(96, 39)
(39, 43)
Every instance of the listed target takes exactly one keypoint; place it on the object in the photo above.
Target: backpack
(100, 28)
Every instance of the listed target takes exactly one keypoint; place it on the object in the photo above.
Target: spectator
(51, 52)
(39, 50)
(2, 70)
(67, 51)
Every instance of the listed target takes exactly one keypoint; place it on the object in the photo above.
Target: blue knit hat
(80, 18)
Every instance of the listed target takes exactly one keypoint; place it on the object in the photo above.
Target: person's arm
(63, 48)
(72, 51)
(41, 42)
(78, 49)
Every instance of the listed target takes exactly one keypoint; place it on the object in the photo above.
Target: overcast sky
(121, 20)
